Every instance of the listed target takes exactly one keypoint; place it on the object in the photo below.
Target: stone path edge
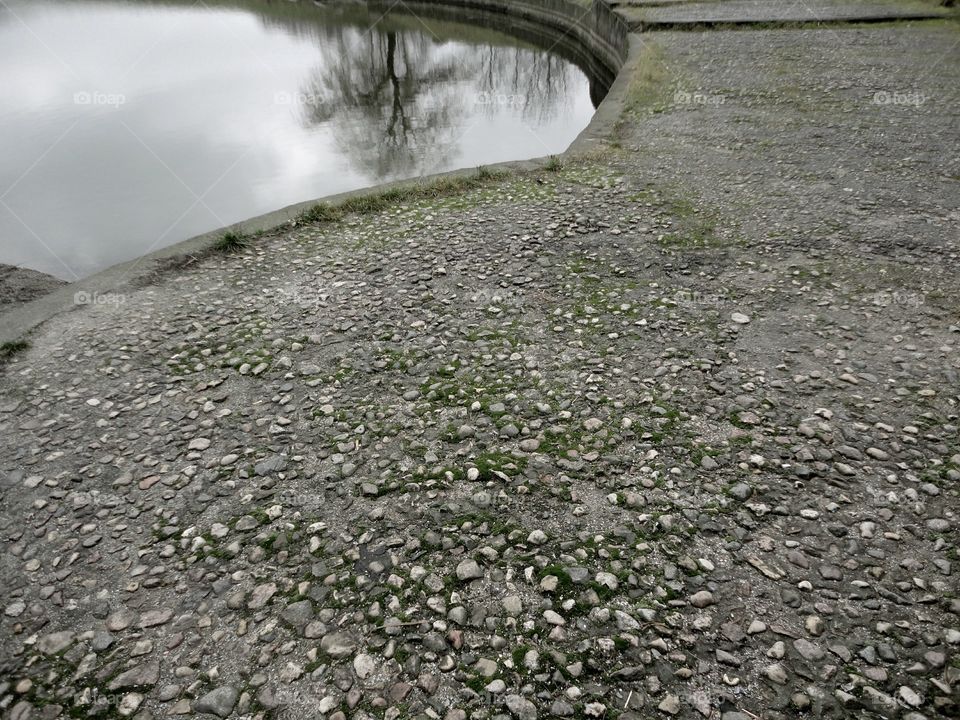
(17, 323)
(798, 23)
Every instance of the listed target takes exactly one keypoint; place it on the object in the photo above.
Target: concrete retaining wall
(597, 27)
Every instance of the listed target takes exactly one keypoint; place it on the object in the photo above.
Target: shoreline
(618, 47)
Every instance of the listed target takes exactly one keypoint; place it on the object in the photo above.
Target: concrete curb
(618, 49)
(647, 26)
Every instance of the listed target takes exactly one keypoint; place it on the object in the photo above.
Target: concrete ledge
(784, 23)
(710, 14)
(600, 31)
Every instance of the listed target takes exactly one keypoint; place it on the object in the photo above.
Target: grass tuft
(485, 173)
(321, 212)
(9, 350)
(554, 164)
(384, 199)
(231, 242)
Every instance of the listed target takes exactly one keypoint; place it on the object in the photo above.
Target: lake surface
(129, 126)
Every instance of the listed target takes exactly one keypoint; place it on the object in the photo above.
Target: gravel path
(668, 432)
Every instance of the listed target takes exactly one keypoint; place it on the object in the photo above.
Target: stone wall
(601, 32)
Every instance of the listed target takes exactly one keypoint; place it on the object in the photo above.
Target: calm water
(128, 126)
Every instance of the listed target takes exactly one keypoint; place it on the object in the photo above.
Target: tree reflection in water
(398, 98)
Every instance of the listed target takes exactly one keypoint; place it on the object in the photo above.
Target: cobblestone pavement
(671, 431)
